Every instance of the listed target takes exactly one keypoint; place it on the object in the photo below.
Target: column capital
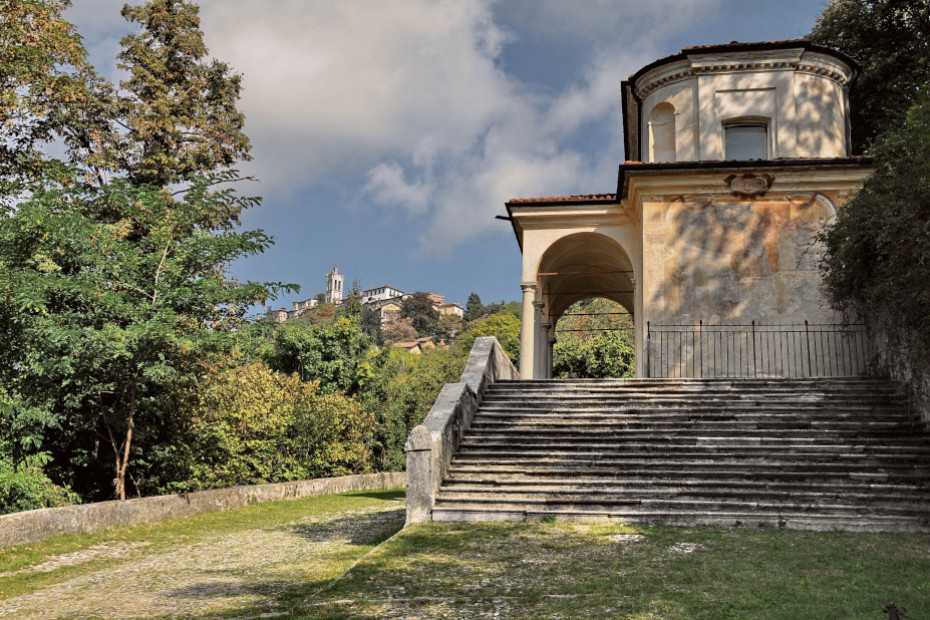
(528, 287)
(539, 304)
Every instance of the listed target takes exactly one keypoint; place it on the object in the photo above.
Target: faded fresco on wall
(738, 260)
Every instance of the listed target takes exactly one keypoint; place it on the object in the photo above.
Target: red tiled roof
(738, 44)
(573, 199)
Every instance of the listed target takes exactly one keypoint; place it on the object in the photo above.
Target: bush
(877, 254)
(401, 392)
(504, 326)
(253, 425)
(26, 487)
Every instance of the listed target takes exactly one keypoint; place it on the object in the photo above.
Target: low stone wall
(431, 445)
(35, 525)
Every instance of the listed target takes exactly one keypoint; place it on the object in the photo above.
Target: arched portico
(572, 266)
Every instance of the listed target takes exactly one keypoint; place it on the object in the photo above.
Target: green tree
(876, 253)
(351, 305)
(473, 307)
(252, 425)
(175, 115)
(332, 353)
(420, 310)
(595, 340)
(44, 77)
(113, 298)
(891, 41)
(505, 327)
(370, 323)
(400, 392)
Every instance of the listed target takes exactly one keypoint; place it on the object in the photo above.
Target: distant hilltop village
(385, 300)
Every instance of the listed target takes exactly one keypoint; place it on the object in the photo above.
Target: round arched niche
(584, 265)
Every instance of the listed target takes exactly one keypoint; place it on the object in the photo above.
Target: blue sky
(388, 134)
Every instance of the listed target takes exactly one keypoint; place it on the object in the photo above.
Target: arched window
(662, 132)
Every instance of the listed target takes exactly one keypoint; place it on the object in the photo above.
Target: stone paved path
(235, 575)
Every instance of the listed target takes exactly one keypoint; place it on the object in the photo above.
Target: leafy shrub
(26, 487)
(401, 391)
(877, 258)
(504, 326)
(253, 425)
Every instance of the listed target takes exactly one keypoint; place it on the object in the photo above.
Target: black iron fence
(756, 350)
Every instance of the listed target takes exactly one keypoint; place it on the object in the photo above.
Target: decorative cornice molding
(780, 60)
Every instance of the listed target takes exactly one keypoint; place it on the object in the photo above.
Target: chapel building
(736, 156)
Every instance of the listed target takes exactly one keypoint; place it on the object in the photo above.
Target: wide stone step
(687, 498)
(697, 409)
(710, 450)
(531, 435)
(707, 468)
(697, 383)
(477, 481)
(781, 519)
(565, 493)
(682, 505)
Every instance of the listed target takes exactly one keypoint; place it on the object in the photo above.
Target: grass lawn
(535, 570)
(335, 557)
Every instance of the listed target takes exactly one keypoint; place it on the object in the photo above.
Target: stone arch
(574, 267)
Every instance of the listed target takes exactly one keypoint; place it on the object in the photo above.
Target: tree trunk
(122, 464)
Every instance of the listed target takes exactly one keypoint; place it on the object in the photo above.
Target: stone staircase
(838, 453)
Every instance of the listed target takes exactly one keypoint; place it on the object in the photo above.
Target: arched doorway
(574, 267)
(594, 340)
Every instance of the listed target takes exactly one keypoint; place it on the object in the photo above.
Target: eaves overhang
(560, 210)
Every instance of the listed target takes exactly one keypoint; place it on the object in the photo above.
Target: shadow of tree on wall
(736, 289)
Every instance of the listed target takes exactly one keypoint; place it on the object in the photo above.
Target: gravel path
(238, 575)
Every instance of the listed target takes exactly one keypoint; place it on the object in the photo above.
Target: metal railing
(756, 350)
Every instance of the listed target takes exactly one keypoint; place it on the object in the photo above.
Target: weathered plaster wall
(733, 261)
(800, 96)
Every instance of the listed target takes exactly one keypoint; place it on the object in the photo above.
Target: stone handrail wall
(431, 445)
(35, 525)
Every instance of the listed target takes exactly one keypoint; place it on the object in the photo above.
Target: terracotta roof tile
(556, 199)
(738, 44)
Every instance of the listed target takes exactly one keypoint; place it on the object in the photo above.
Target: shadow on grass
(369, 529)
(394, 494)
(531, 570)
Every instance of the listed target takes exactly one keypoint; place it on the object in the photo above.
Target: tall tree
(106, 316)
(891, 41)
(44, 78)
(175, 115)
(473, 307)
(115, 292)
(877, 259)
(423, 314)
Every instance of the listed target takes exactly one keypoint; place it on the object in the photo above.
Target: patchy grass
(540, 570)
(320, 558)
(25, 568)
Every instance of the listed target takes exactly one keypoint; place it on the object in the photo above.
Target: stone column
(639, 340)
(528, 330)
(539, 340)
(551, 342)
(543, 356)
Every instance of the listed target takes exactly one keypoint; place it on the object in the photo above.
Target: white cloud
(406, 102)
